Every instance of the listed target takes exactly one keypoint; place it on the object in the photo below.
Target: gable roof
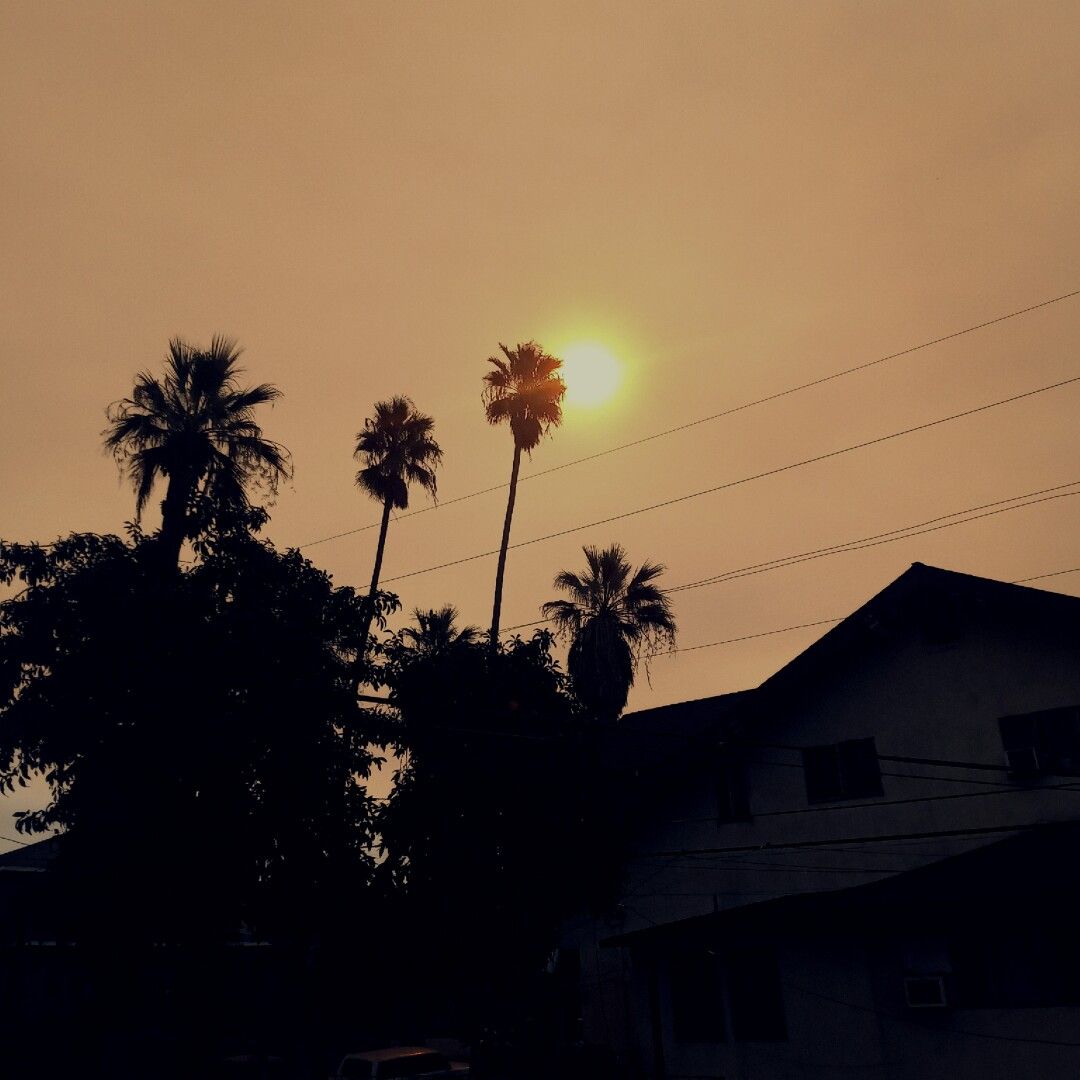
(928, 598)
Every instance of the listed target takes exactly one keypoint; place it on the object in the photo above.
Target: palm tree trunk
(375, 577)
(500, 572)
(174, 518)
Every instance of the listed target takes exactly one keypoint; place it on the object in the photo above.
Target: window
(696, 1003)
(846, 770)
(1042, 742)
(732, 803)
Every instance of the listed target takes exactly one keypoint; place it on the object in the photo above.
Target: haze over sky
(734, 198)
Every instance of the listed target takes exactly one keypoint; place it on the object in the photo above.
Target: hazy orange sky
(734, 198)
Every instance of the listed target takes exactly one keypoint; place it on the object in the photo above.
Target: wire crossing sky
(748, 479)
(714, 416)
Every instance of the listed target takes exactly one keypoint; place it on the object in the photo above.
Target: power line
(871, 839)
(1040, 577)
(786, 868)
(746, 479)
(750, 637)
(824, 622)
(841, 871)
(904, 533)
(715, 416)
(791, 764)
(858, 546)
(780, 564)
(891, 802)
(895, 535)
(944, 763)
(900, 775)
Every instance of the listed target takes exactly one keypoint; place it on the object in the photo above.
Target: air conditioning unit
(1023, 762)
(925, 992)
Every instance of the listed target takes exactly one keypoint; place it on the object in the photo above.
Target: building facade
(865, 865)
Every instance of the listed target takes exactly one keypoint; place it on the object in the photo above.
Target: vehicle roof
(392, 1052)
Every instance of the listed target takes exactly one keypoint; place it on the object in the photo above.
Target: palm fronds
(526, 390)
(616, 617)
(196, 422)
(397, 449)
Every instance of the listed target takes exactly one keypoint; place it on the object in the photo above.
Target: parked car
(397, 1062)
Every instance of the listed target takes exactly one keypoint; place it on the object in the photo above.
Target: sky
(733, 198)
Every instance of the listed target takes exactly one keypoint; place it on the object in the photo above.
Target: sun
(591, 373)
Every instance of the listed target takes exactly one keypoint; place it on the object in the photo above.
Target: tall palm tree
(195, 428)
(615, 617)
(396, 449)
(526, 390)
(436, 631)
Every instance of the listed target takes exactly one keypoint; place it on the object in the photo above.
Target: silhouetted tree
(396, 449)
(199, 734)
(526, 390)
(194, 427)
(499, 826)
(615, 616)
(436, 631)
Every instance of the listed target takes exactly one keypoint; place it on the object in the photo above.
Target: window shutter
(822, 768)
(860, 772)
(1057, 735)
(1017, 732)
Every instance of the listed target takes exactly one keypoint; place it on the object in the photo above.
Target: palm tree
(525, 389)
(616, 616)
(436, 631)
(396, 449)
(196, 428)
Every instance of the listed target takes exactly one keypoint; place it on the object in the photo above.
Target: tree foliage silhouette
(436, 631)
(194, 729)
(526, 391)
(396, 448)
(195, 428)
(615, 616)
(499, 826)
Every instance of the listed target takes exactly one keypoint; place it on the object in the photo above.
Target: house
(867, 865)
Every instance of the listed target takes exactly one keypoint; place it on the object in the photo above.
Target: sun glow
(591, 373)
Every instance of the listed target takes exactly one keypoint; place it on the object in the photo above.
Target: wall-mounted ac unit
(1023, 762)
(925, 992)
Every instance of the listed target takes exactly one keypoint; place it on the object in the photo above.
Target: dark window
(732, 803)
(846, 770)
(696, 1002)
(1043, 742)
(757, 1003)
